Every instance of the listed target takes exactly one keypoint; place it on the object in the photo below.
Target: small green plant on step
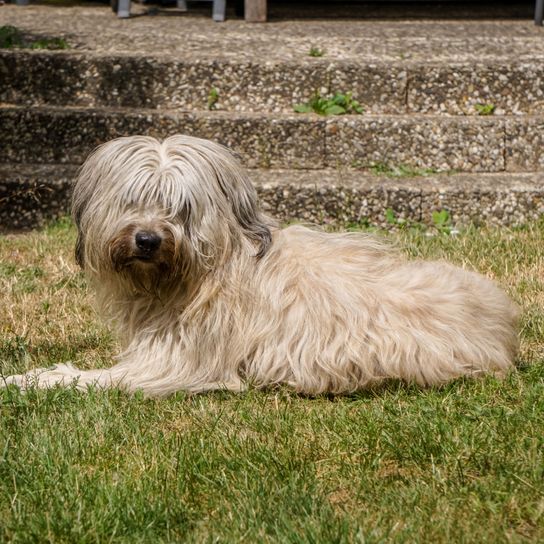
(392, 219)
(12, 38)
(213, 98)
(394, 222)
(50, 43)
(362, 224)
(316, 52)
(485, 109)
(400, 170)
(337, 104)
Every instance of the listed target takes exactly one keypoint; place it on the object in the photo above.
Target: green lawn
(464, 463)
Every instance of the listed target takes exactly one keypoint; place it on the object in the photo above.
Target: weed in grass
(61, 225)
(362, 224)
(337, 104)
(396, 222)
(484, 109)
(441, 221)
(316, 52)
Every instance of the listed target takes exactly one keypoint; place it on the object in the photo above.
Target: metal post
(219, 10)
(539, 12)
(123, 9)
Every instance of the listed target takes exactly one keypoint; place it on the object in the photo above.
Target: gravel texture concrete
(173, 60)
(341, 197)
(193, 34)
(31, 195)
(75, 79)
(419, 82)
(482, 144)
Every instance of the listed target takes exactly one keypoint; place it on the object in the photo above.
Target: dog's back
(340, 312)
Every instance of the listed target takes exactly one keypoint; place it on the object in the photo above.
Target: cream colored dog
(208, 293)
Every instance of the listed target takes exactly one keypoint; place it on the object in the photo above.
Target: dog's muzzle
(147, 244)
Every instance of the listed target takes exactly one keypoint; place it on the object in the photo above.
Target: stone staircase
(419, 146)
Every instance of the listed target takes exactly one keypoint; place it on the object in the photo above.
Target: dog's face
(151, 212)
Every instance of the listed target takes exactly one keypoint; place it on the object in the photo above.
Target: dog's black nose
(148, 241)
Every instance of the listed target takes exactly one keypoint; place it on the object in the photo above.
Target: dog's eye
(183, 213)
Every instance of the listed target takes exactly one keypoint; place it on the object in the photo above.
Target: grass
(401, 170)
(463, 463)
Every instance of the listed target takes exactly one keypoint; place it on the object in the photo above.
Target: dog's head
(152, 212)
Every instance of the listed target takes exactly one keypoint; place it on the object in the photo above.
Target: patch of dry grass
(46, 313)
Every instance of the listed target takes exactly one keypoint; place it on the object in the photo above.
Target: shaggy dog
(208, 293)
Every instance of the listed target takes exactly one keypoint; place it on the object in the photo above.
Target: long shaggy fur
(228, 299)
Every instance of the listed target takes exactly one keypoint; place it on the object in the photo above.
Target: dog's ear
(78, 207)
(253, 223)
(80, 250)
(242, 197)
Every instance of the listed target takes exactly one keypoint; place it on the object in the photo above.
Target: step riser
(69, 136)
(298, 142)
(339, 205)
(136, 82)
(30, 200)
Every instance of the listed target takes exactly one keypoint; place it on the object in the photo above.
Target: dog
(206, 292)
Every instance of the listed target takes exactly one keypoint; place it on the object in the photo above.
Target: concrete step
(295, 141)
(455, 87)
(31, 195)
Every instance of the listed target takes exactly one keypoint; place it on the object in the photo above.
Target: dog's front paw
(15, 379)
(62, 374)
